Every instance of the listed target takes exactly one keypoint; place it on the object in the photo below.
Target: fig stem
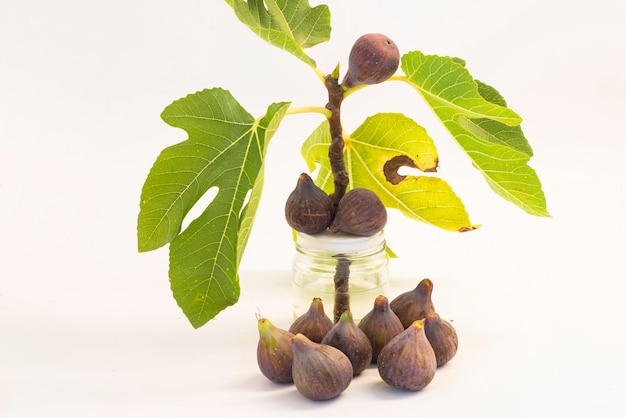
(335, 149)
(309, 109)
(342, 288)
(341, 180)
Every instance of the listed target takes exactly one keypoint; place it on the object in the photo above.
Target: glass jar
(323, 260)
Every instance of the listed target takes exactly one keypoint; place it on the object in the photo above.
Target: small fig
(380, 325)
(320, 371)
(414, 304)
(442, 337)
(308, 209)
(352, 341)
(274, 354)
(314, 323)
(359, 212)
(373, 59)
(408, 361)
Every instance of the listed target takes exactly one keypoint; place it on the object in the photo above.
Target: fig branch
(341, 181)
(309, 210)
(335, 150)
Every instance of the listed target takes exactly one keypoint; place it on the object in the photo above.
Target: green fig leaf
(291, 25)
(375, 152)
(477, 117)
(225, 149)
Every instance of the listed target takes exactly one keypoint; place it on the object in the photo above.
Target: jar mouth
(339, 243)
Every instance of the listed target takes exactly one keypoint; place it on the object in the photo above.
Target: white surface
(88, 326)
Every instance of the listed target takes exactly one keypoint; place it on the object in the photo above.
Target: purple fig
(408, 361)
(442, 337)
(273, 353)
(373, 59)
(320, 371)
(380, 325)
(414, 304)
(308, 208)
(314, 323)
(352, 341)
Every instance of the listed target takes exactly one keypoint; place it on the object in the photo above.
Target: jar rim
(339, 243)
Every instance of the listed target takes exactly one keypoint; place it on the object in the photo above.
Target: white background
(88, 326)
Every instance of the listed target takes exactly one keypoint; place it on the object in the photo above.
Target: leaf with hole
(374, 154)
(225, 149)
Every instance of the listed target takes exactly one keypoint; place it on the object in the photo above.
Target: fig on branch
(373, 59)
(308, 209)
(359, 212)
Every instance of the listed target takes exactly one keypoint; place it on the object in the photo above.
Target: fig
(373, 59)
(274, 354)
(320, 371)
(408, 361)
(359, 212)
(308, 209)
(352, 341)
(414, 304)
(314, 323)
(380, 325)
(442, 337)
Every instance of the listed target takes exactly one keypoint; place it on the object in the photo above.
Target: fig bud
(308, 209)
(274, 354)
(442, 337)
(320, 371)
(352, 341)
(380, 325)
(414, 304)
(373, 59)
(314, 323)
(359, 212)
(408, 361)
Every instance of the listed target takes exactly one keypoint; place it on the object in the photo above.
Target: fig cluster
(310, 210)
(321, 358)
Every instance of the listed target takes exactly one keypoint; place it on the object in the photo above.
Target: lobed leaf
(291, 25)
(375, 152)
(225, 149)
(477, 117)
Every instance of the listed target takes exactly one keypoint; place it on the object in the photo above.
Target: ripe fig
(314, 323)
(308, 209)
(352, 341)
(320, 371)
(373, 59)
(442, 337)
(414, 304)
(359, 212)
(408, 361)
(274, 354)
(380, 325)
